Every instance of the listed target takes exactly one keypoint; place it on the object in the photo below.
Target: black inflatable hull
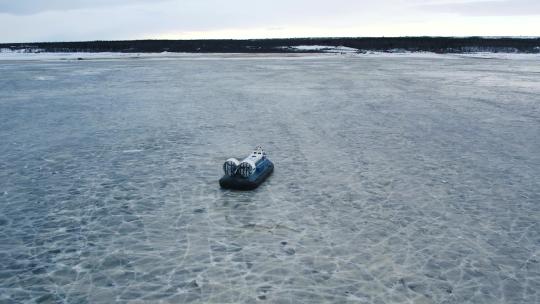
(240, 183)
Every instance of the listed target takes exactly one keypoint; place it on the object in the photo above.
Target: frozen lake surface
(398, 179)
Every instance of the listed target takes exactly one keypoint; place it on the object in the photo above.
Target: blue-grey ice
(399, 179)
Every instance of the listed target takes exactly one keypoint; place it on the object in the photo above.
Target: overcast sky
(72, 20)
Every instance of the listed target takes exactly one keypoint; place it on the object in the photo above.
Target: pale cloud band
(489, 7)
(59, 20)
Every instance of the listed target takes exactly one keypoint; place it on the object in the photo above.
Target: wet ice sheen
(397, 180)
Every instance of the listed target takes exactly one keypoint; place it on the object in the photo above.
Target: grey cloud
(59, 20)
(42, 20)
(489, 8)
(24, 7)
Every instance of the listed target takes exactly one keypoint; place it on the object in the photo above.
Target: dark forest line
(410, 44)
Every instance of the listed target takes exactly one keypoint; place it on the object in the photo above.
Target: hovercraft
(247, 174)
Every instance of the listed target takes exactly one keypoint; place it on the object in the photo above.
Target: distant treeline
(411, 44)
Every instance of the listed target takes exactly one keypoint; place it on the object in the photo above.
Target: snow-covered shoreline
(325, 52)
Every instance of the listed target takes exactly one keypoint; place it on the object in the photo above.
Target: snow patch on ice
(430, 55)
(23, 55)
(132, 151)
(487, 55)
(44, 78)
(321, 48)
(160, 56)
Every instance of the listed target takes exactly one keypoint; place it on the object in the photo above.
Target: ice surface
(398, 180)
